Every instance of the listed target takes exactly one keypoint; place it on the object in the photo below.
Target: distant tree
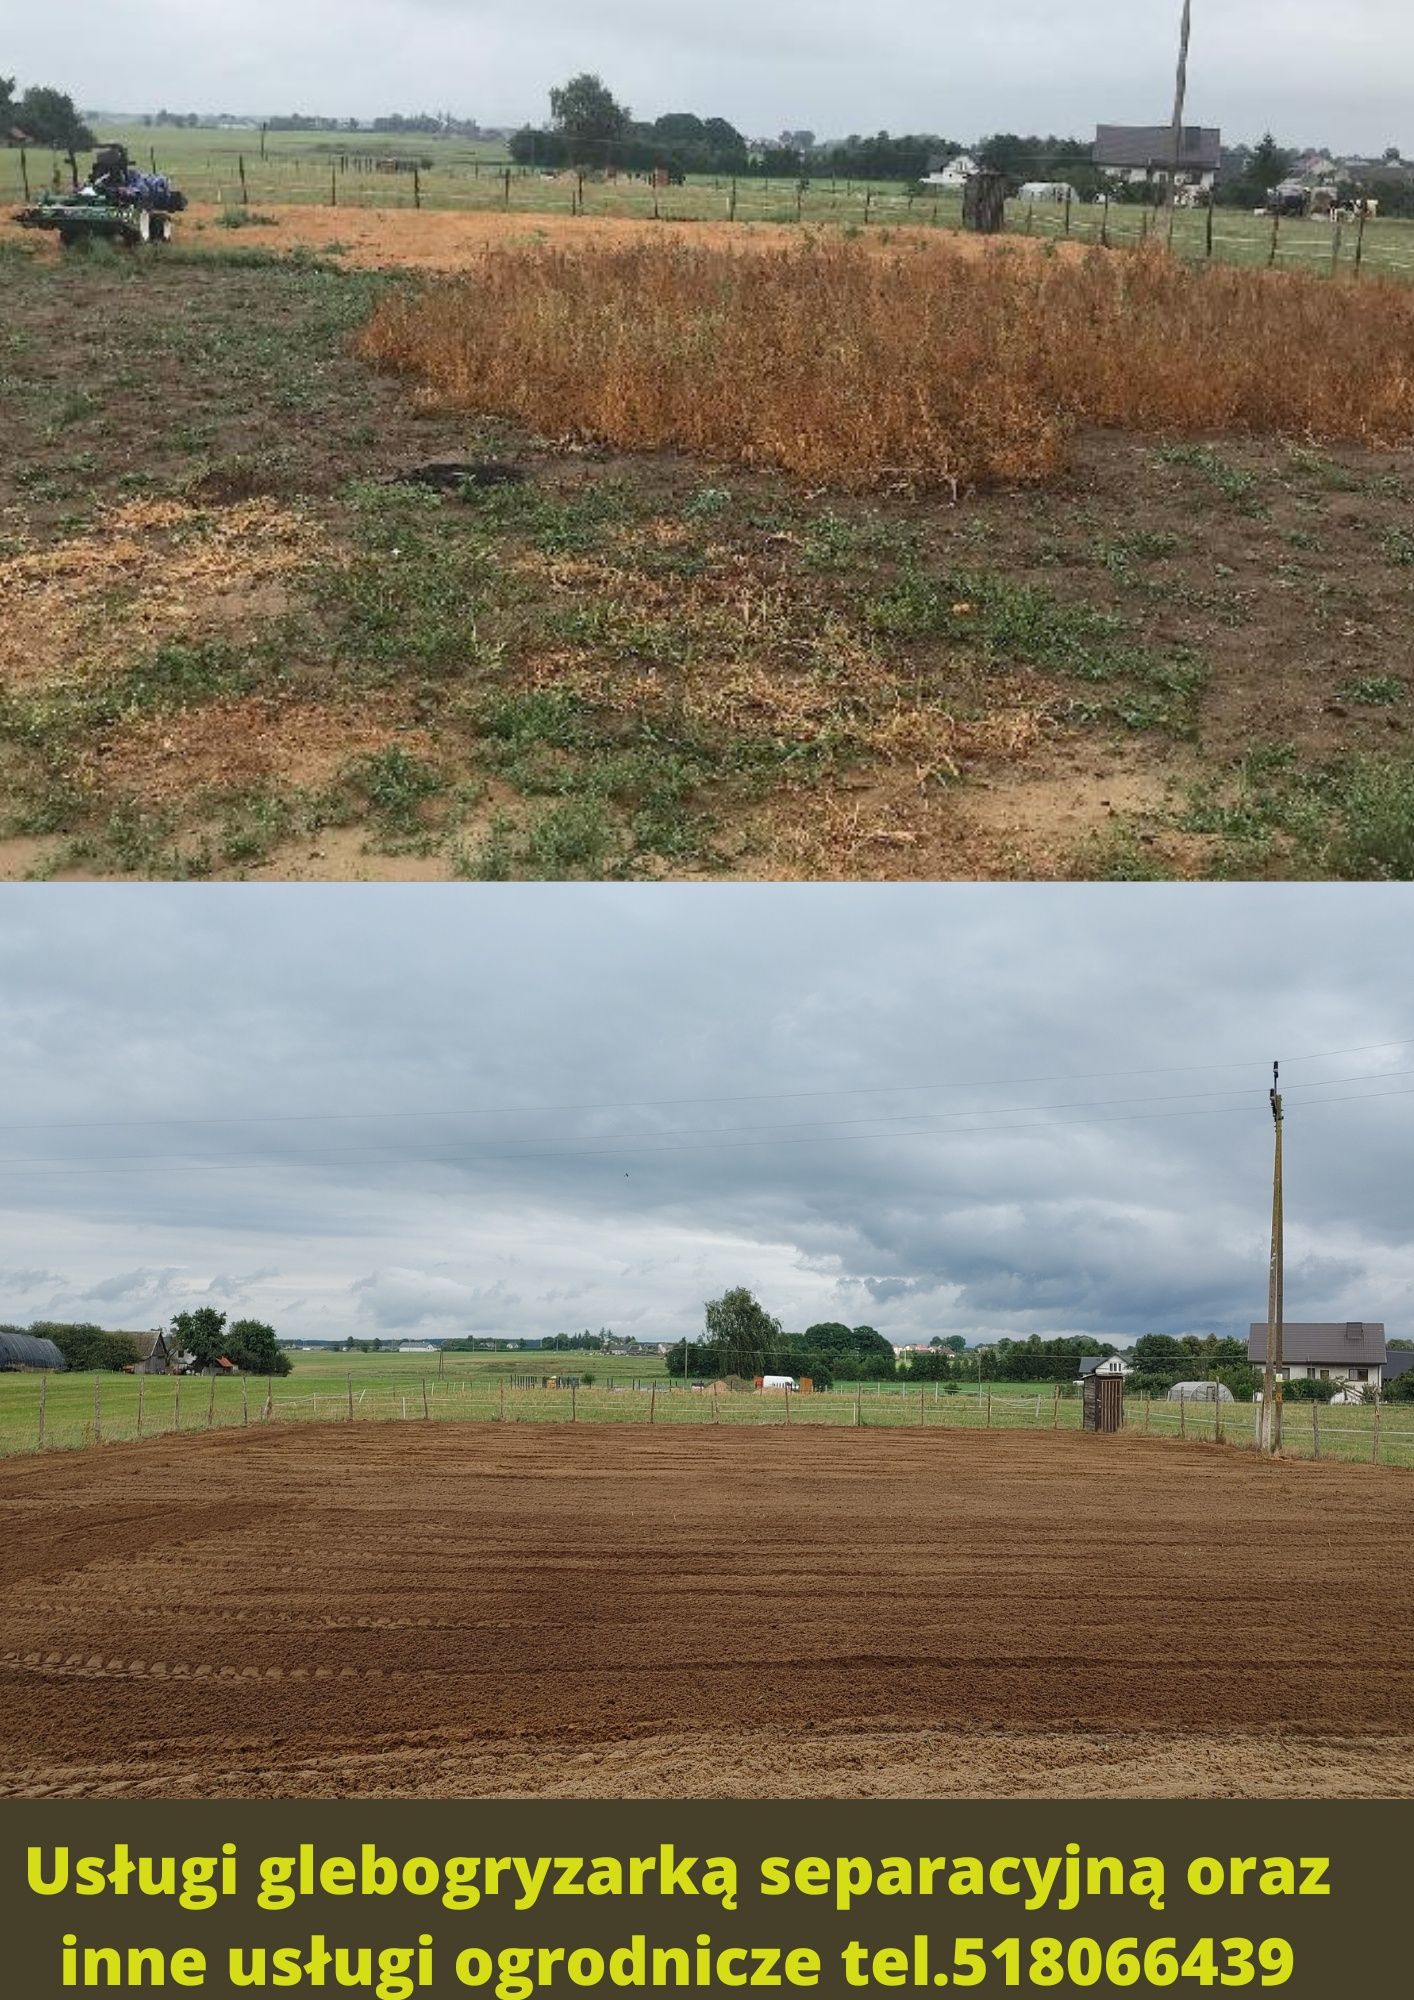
(7, 105)
(202, 1334)
(589, 116)
(50, 119)
(1156, 1351)
(252, 1347)
(86, 1347)
(742, 1332)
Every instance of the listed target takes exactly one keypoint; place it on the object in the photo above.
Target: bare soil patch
(774, 1614)
(1178, 657)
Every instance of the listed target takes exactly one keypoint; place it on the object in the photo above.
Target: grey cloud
(817, 63)
(601, 1133)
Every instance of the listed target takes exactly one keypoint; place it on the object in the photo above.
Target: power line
(923, 1120)
(631, 1150)
(706, 1097)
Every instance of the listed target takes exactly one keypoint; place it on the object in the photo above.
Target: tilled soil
(477, 1610)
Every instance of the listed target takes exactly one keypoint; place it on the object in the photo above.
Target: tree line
(250, 1345)
(41, 116)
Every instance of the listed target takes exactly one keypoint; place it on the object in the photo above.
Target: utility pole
(1180, 93)
(1271, 1382)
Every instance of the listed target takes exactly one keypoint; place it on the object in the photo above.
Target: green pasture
(69, 1412)
(324, 167)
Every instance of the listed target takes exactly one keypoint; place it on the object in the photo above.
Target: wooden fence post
(211, 1404)
(716, 1414)
(1276, 225)
(1375, 1437)
(1105, 222)
(506, 197)
(245, 1403)
(1359, 239)
(502, 1417)
(43, 1399)
(267, 1414)
(1183, 1416)
(731, 202)
(1315, 1430)
(417, 187)
(922, 1418)
(1067, 211)
(857, 1411)
(240, 162)
(573, 1404)
(868, 201)
(349, 1380)
(97, 1412)
(1055, 1408)
(1335, 244)
(1217, 1414)
(425, 1411)
(786, 1394)
(652, 1402)
(989, 1406)
(141, 1384)
(1146, 1416)
(24, 171)
(1208, 228)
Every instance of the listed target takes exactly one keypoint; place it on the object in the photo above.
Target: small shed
(26, 1351)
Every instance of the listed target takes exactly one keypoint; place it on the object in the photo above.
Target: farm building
(953, 173)
(151, 1354)
(1398, 1361)
(1350, 1350)
(25, 1350)
(1103, 1364)
(1140, 153)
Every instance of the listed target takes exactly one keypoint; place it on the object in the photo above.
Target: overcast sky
(1314, 74)
(372, 1128)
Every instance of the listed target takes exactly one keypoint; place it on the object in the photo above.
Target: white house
(1103, 1364)
(1350, 1350)
(954, 174)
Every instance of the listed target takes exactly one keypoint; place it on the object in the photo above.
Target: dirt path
(470, 1610)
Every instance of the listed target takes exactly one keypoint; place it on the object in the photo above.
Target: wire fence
(76, 1412)
(241, 184)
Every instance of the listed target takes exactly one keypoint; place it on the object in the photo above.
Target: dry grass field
(915, 365)
(474, 1610)
(236, 641)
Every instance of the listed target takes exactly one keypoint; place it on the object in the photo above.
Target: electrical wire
(706, 1097)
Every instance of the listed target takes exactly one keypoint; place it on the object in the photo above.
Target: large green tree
(741, 1333)
(590, 118)
(51, 119)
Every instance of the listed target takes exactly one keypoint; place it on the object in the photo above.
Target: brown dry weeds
(921, 364)
(151, 570)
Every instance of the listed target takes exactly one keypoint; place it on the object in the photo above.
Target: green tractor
(116, 204)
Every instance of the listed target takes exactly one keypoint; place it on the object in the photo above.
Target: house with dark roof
(1351, 1351)
(1140, 153)
(1398, 1361)
(151, 1354)
(1102, 1364)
